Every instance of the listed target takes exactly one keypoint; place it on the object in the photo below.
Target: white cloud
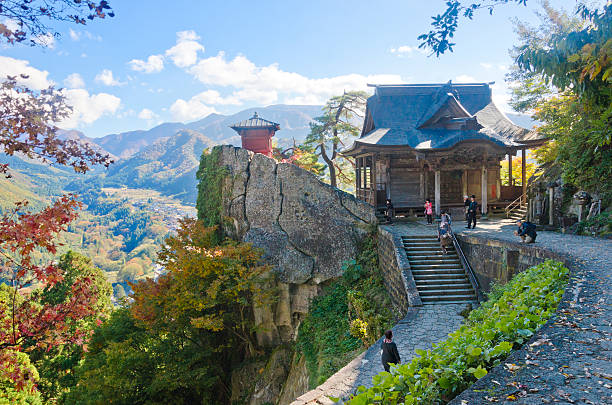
(74, 81)
(36, 79)
(88, 108)
(185, 52)
(267, 84)
(75, 36)
(153, 64)
(146, 114)
(406, 50)
(486, 65)
(465, 79)
(106, 77)
(47, 40)
(190, 110)
(501, 96)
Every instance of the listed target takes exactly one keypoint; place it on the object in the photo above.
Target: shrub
(352, 313)
(510, 317)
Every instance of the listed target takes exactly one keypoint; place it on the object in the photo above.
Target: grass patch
(509, 318)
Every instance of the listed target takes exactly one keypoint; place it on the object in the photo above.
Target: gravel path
(569, 360)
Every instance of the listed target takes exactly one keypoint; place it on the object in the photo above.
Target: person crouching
(526, 231)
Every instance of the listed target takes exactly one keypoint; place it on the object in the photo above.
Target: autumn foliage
(207, 287)
(26, 320)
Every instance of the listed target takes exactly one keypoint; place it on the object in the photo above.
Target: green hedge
(512, 314)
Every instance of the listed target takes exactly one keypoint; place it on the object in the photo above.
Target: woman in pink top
(429, 211)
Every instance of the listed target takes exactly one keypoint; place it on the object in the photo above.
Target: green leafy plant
(352, 313)
(507, 320)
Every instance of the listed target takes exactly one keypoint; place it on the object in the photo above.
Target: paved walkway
(422, 327)
(569, 360)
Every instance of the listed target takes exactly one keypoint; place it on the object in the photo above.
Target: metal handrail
(466, 265)
(522, 199)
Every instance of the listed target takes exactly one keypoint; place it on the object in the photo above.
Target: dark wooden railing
(466, 265)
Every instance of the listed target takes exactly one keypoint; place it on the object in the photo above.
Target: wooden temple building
(436, 141)
(256, 134)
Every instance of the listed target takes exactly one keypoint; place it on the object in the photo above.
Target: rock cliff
(306, 229)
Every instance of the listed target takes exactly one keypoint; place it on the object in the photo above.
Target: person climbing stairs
(440, 278)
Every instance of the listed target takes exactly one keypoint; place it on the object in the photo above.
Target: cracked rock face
(307, 229)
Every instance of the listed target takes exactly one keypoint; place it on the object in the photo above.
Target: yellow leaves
(511, 397)
(213, 323)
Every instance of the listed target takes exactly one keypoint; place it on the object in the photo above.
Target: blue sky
(155, 63)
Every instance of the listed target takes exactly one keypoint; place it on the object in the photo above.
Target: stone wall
(396, 273)
(497, 261)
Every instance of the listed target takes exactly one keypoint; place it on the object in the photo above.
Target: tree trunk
(330, 166)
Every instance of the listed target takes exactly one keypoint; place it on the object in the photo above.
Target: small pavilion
(256, 134)
(436, 141)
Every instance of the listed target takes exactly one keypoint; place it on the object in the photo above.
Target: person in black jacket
(526, 230)
(472, 210)
(390, 355)
(388, 211)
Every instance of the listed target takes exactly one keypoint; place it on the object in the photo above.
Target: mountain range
(165, 158)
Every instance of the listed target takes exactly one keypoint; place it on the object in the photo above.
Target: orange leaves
(208, 288)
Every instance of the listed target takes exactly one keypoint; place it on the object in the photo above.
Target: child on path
(429, 211)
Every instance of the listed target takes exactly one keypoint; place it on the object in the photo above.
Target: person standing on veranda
(472, 211)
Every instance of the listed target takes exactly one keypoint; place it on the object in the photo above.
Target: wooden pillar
(484, 190)
(464, 182)
(422, 184)
(524, 170)
(388, 179)
(498, 188)
(510, 182)
(426, 185)
(437, 192)
(373, 181)
(551, 203)
(357, 176)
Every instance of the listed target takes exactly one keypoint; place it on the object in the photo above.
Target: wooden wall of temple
(409, 182)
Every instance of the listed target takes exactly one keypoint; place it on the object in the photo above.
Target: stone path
(422, 327)
(569, 360)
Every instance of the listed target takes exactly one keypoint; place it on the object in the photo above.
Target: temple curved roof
(435, 116)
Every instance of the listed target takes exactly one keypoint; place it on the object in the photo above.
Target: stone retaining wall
(497, 261)
(395, 269)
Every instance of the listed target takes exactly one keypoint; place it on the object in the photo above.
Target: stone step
(436, 267)
(457, 297)
(438, 286)
(444, 281)
(435, 246)
(451, 302)
(443, 259)
(438, 277)
(432, 242)
(422, 255)
(448, 291)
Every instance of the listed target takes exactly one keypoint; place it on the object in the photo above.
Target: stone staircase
(519, 212)
(439, 278)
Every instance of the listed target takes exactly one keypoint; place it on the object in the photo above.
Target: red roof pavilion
(256, 134)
